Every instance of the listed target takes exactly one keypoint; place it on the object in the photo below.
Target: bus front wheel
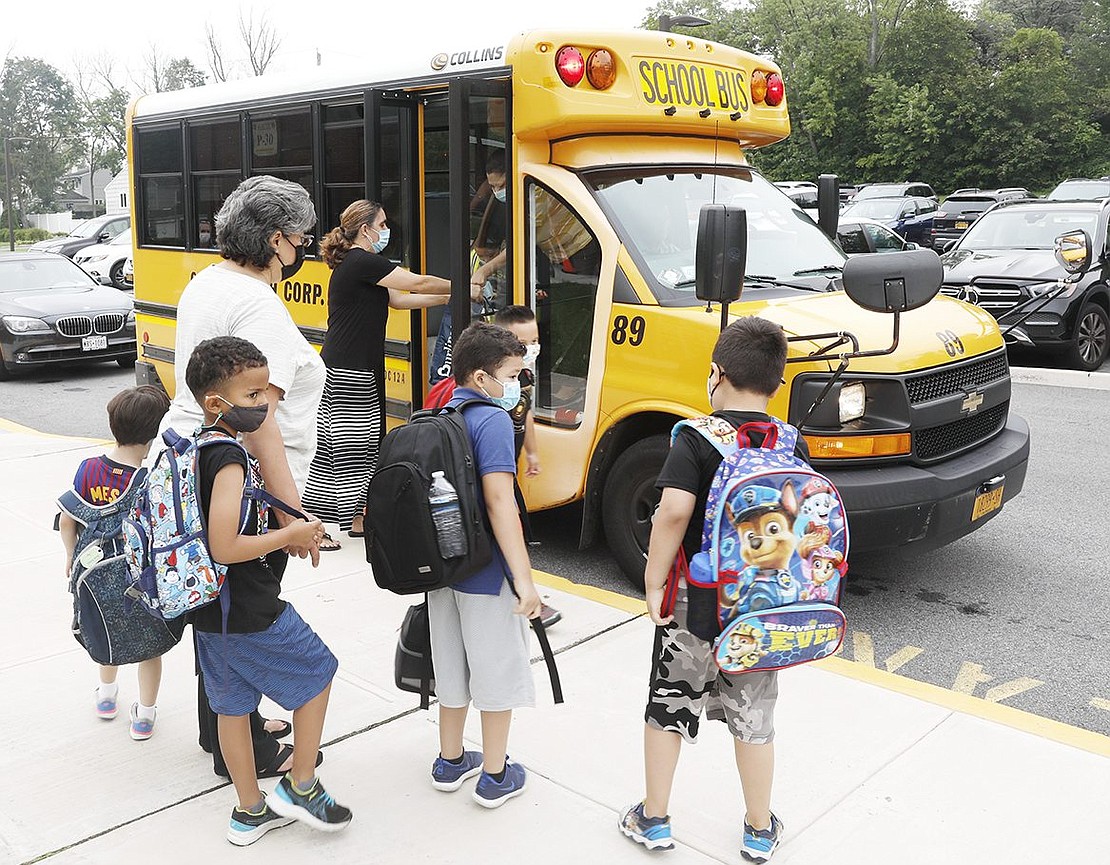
(628, 502)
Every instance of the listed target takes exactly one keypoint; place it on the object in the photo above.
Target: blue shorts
(287, 662)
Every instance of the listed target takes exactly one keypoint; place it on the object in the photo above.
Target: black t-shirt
(357, 310)
(255, 586)
(692, 463)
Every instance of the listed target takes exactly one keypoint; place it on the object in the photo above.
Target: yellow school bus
(613, 142)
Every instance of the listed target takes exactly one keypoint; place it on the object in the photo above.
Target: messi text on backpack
(172, 569)
(774, 550)
(111, 629)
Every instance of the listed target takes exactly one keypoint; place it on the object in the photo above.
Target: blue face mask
(510, 394)
(383, 240)
(500, 194)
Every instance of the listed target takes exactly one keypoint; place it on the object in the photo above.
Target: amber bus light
(601, 71)
(844, 447)
(759, 86)
(570, 65)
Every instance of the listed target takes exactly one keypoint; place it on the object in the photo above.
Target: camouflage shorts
(685, 681)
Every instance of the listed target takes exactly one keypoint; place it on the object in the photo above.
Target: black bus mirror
(828, 204)
(894, 281)
(1073, 250)
(722, 253)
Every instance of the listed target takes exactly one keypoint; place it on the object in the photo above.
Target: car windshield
(879, 208)
(880, 190)
(656, 212)
(1074, 190)
(39, 274)
(958, 204)
(86, 229)
(1026, 229)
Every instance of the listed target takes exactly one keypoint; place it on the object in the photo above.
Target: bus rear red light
(759, 86)
(570, 65)
(775, 89)
(601, 71)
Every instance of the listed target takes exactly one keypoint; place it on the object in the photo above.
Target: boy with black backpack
(90, 523)
(746, 371)
(479, 633)
(255, 644)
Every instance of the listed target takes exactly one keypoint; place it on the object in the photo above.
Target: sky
(347, 35)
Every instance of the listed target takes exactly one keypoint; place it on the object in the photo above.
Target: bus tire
(628, 502)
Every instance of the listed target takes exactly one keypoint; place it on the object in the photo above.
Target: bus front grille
(936, 442)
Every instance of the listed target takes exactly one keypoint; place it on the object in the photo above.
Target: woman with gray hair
(261, 233)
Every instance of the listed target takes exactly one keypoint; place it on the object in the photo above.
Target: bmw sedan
(52, 311)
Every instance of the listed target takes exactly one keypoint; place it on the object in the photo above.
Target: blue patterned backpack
(111, 630)
(774, 549)
(172, 568)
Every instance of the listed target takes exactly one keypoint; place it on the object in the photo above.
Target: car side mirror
(896, 282)
(1073, 251)
(911, 245)
(722, 253)
(103, 237)
(947, 245)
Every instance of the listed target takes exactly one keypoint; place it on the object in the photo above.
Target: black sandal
(335, 545)
(274, 770)
(283, 731)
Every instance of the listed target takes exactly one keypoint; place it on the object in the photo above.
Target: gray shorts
(480, 651)
(685, 681)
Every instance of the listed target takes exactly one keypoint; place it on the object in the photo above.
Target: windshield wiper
(774, 280)
(824, 268)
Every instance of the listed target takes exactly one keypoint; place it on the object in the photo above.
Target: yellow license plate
(985, 503)
(961, 225)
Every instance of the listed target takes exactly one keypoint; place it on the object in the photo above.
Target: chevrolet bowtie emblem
(972, 402)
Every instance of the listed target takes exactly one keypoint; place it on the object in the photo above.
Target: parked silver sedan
(52, 311)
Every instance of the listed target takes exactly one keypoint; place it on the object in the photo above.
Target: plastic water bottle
(447, 517)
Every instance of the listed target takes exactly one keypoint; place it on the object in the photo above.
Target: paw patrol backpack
(171, 566)
(774, 549)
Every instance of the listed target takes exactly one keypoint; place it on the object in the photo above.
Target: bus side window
(564, 265)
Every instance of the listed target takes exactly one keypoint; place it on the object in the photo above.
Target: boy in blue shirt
(262, 646)
(479, 629)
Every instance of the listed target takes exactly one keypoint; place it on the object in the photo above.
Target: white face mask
(531, 353)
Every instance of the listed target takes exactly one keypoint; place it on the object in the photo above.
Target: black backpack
(401, 544)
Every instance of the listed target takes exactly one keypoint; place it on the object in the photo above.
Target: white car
(104, 261)
(859, 234)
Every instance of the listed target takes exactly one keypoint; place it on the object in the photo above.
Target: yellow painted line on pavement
(13, 427)
(1008, 716)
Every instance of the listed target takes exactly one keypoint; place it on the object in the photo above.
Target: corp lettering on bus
(669, 82)
(462, 58)
(303, 292)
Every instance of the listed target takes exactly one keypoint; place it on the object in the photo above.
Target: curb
(1060, 377)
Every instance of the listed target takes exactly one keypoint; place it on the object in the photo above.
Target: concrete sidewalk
(872, 768)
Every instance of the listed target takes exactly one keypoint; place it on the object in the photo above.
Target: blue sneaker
(141, 728)
(246, 827)
(106, 710)
(315, 807)
(450, 776)
(490, 794)
(653, 832)
(759, 844)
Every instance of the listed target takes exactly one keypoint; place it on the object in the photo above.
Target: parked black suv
(964, 206)
(1007, 264)
(99, 229)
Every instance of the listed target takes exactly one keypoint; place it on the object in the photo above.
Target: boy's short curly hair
(483, 346)
(751, 353)
(135, 414)
(216, 360)
(515, 314)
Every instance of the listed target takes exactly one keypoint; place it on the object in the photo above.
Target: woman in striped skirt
(364, 284)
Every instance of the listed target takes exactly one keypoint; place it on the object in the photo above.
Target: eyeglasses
(306, 240)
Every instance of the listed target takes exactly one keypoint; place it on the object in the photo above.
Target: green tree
(37, 103)
(180, 74)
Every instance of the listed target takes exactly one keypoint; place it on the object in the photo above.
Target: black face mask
(243, 418)
(287, 270)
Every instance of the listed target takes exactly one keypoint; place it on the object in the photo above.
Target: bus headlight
(853, 401)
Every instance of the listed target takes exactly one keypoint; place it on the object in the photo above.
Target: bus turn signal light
(601, 71)
(776, 90)
(570, 65)
(858, 447)
(759, 86)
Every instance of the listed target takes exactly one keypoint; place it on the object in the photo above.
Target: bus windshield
(656, 211)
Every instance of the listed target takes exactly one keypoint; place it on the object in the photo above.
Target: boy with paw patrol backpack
(743, 557)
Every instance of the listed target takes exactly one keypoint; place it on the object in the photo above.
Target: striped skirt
(349, 430)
